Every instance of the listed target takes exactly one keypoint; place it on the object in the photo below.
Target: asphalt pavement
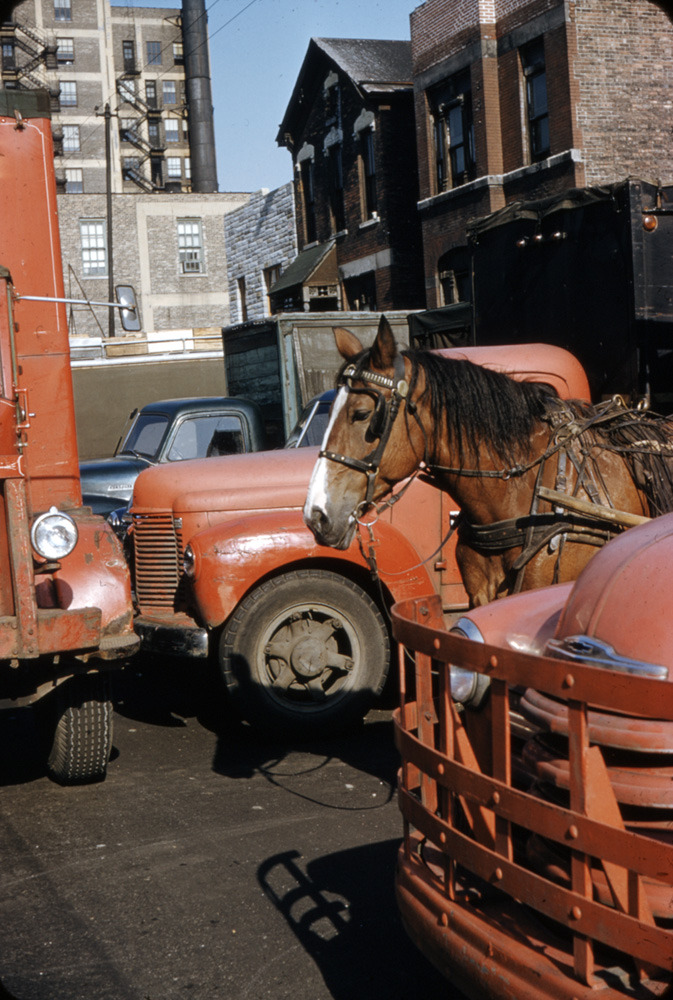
(211, 863)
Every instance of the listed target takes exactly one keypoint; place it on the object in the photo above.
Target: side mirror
(129, 312)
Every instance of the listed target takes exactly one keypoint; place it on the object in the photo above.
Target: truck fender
(230, 559)
(76, 584)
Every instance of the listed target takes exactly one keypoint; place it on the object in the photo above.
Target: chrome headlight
(54, 534)
(467, 686)
(189, 563)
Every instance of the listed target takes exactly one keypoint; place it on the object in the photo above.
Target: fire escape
(149, 114)
(28, 57)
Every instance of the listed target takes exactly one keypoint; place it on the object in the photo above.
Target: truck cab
(171, 430)
(66, 616)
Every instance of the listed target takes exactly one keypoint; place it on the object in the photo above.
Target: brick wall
(624, 88)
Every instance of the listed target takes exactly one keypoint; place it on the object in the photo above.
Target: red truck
(66, 615)
(224, 564)
(536, 740)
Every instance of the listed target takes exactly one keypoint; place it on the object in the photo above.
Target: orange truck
(536, 738)
(66, 614)
(224, 564)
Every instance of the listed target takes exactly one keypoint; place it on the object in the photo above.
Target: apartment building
(134, 155)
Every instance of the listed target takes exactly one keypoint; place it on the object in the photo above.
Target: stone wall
(258, 235)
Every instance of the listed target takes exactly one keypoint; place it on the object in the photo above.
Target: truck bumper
(177, 636)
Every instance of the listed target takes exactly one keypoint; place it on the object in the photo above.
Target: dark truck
(588, 270)
(171, 430)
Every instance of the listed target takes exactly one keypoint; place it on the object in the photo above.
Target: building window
(151, 93)
(127, 129)
(188, 168)
(535, 77)
(73, 181)
(8, 56)
(271, 276)
(367, 162)
(131, 166)
(242, 300)
(70, 138)
(190, 246)
(153, 135)
(453, 127)
(178, 54)
(62, 10)
(454, 273)
(308, 199)
(154, 53)
(173, 167)
(65, 51)
(171, 130)
(129, 56)
(169, 92)
(336, 190)
(94, 248)
(361, 292)
(127, 90)
(157, 171)
(68, 94)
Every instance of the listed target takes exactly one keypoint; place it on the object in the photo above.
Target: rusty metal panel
(607, 881)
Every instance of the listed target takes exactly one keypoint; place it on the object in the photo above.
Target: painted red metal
(54, 617)
(547, 874)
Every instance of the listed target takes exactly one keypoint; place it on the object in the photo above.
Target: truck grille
(158, 558)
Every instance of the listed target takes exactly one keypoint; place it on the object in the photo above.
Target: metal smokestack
(199, 98)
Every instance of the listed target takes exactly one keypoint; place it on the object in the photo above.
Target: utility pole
(108, 115)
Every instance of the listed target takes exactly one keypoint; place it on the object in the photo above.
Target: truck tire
(76, 726)
(305, 653)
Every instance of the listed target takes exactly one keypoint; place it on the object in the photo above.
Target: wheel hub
(309, 657)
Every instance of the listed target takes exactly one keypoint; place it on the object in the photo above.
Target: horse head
(366, 449)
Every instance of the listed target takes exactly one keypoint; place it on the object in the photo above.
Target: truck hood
(256, 481)
(111, 477)
(623, 596)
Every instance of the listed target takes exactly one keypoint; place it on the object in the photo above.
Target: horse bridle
(383, 418)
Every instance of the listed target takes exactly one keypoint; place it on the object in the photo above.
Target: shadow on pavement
(342, 909)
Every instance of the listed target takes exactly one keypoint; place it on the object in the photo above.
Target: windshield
(312, 424)
(145, 436)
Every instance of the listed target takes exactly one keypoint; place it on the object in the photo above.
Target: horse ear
(384, 348)
(347, 343)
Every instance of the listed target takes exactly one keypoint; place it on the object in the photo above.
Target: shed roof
(302, 267)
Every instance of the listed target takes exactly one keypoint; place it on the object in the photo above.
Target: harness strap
(532, 532)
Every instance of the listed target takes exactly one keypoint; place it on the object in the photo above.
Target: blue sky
(256, 50)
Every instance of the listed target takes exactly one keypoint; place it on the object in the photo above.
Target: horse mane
(481, 409)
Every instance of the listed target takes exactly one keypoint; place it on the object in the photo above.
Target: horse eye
(359, 415)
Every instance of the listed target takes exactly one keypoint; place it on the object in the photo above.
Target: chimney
(199, 99)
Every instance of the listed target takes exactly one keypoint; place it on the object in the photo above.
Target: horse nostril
(318, 519)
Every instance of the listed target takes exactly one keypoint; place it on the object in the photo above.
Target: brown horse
(492, 443)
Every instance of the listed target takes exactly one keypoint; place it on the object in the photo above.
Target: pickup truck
(171, 430)
(224, 564)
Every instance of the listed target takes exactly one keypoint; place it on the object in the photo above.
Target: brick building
(261, 242)
(349, 126)
(522, 99)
